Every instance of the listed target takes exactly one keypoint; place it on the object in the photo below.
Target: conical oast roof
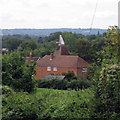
(61, 48)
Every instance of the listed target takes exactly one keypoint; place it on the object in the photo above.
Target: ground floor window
(48, 68)
(84, 69)
(54, 68)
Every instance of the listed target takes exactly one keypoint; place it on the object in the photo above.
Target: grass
(65, 94)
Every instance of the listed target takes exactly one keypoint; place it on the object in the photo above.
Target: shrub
(21, 106)
(78, 84)
(48, 104)
(6, 90)
(93, 72)
(43, 83)
(108, 92)
(67, 105)
(59, 84)
(16, 73)
(53, 83)
(63, 84)
(69, 75)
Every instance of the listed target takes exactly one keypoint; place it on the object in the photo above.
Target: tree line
(87, 47)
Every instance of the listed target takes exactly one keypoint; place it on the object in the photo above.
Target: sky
(42, 14)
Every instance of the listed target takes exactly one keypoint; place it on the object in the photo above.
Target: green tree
(112, 47)
(69, 75)
(91, 37)
(27, 37)
(29, 44)
(54, 36)
(11, 43)
(108, 92)
(70, 40)
(16, 73)
(82, 48)
(93, 72)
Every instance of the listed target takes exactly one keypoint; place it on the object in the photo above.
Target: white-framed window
(48, 68)
(54, 68)
(84, 69)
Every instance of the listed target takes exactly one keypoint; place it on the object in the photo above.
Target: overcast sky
(57, 13)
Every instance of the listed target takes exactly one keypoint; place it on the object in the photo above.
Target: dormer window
(48, 68)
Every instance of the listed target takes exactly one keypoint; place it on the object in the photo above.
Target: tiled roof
(61, 50)
(62, 61)
(33, 58)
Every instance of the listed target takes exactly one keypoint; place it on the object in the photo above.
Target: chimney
(30, 57)
(51, 56)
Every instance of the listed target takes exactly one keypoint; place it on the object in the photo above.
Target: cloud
(57, 13)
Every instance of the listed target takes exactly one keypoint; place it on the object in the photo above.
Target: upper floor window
(84, 69)
(48, 68)
(54, 68)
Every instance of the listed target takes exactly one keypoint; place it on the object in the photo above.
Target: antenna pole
(119, 32)
(93, 16)
(119, 14)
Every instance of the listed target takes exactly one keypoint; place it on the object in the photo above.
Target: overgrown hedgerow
(108, 92)
(48, 104)
(63, 84)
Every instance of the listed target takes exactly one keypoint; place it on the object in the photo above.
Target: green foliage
(11, 43)
(91, 37)
(29, 44)
(93, 72)
(48, 104)
(21, 106)
(112, 48)
(73, 105)
(98, 43)
(55, 104)
(64, 84)
(0, 68)
(26, 36)
(53, 36)
(6, 90)
(77, 44)
(70, 40)
(79, 84)
(69, 75)
(53, 83)
(82, 48)
(16, 73)
(108, 92)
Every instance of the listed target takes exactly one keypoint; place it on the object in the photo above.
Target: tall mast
(119, 14)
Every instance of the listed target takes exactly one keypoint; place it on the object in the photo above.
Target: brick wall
(81, 74)
(42, 71)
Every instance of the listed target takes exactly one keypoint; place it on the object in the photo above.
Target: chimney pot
(51, 56)
(30, 57)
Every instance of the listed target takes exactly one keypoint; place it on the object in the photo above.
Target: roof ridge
(62, 61)
(84, 60)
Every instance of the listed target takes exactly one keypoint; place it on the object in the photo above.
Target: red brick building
(59, 62)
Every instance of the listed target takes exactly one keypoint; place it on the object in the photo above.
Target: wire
(93, 16)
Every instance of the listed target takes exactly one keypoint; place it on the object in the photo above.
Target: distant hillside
(46, 32)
